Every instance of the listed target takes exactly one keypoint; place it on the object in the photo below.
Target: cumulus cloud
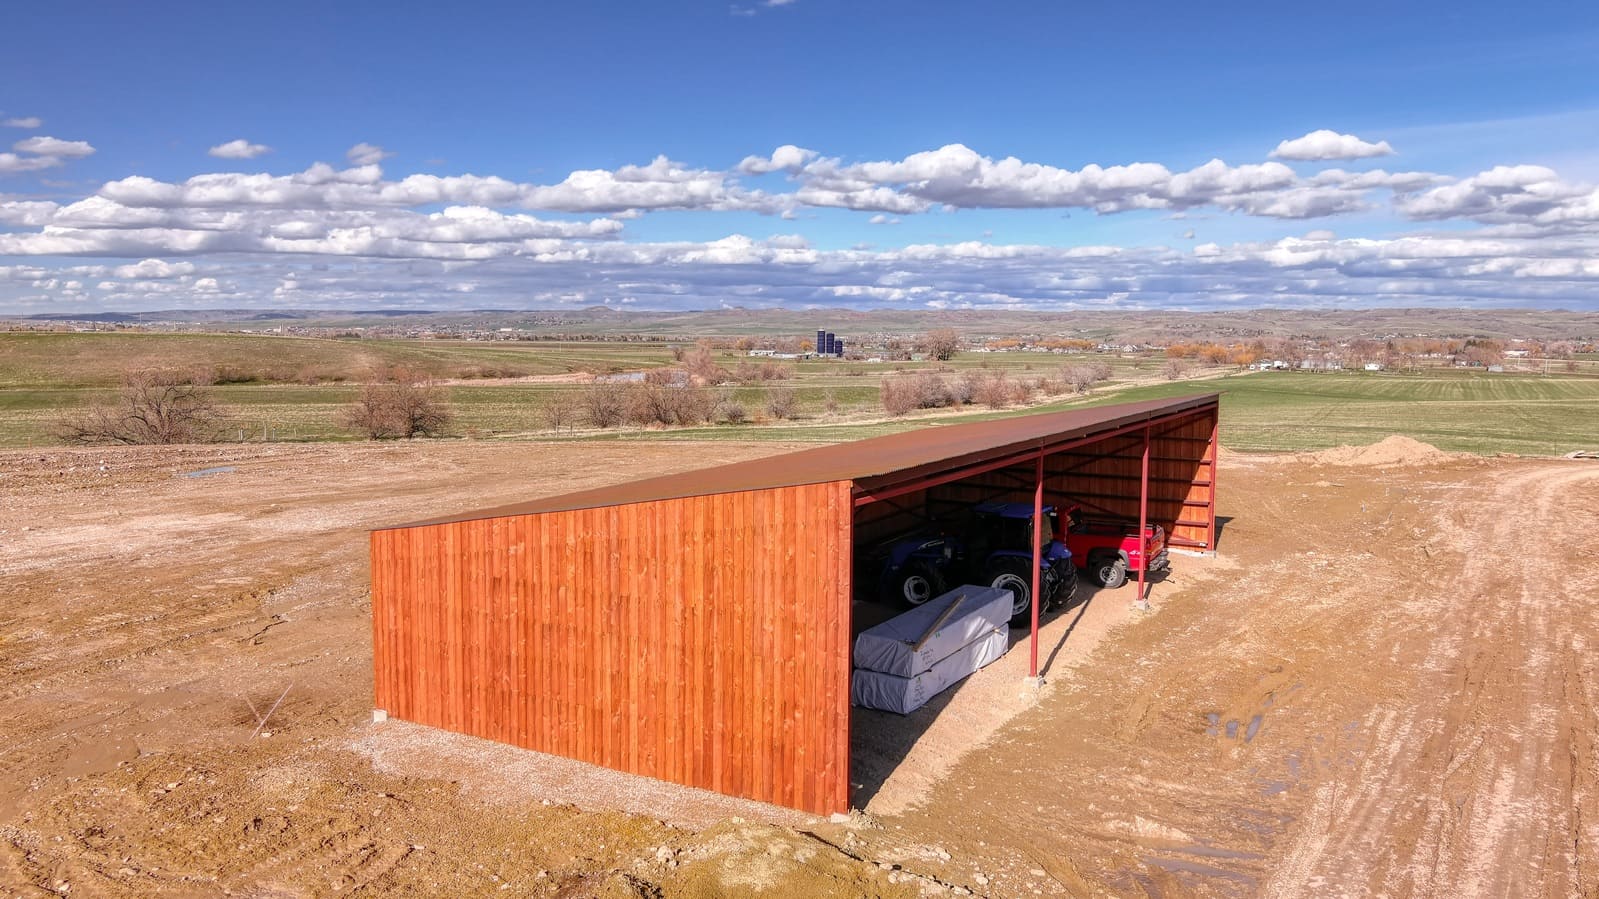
(11, 163)
(1324, 144)
(54, 146)
(238, 149)
(153, 269)
(785, 270)
(31, 121)
(27, 213)
(366, 154)
(662, 184)
(955, 176)
(1509, 194)
(353, 237)
(787, 158)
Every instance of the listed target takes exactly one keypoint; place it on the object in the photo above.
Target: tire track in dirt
(1482, 790)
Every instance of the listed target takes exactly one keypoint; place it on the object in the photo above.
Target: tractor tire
(1016, 576)
(1110, 571)
(916, 584)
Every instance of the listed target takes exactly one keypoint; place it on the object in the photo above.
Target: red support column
(1038, 561)
(1143, 523)
(1215, 465)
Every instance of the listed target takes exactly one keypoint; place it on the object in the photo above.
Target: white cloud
(153, 269)
(1324, 144)
(366, 154)
(1524, 194)
(784, 270)
(662, 184)
(54, 147)
(27, 213)
(11, 163)
(787, 158)
(352, 237)
(31, 121)
(238, 149)
(956, 176)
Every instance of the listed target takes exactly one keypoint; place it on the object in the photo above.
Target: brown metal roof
(873, 463)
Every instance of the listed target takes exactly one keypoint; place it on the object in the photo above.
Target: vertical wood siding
(703, 641)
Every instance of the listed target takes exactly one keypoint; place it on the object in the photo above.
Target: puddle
(207, 472)
(1217, 852)
(1232, 729)
(1273, 787)
(1254, 728)
(1214, 726)
(1183, 866)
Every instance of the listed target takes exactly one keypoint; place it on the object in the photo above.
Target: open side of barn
(696, 628)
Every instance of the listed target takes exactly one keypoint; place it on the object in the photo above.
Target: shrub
(604, 404)
(782, 403)
(150, 408)
(404, 404)
(991, 388)
(560, 411)
(668, 405)
(1175, 368)
(925, 390)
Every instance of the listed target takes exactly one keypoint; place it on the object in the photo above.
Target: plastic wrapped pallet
(888, 647)
(892, 693)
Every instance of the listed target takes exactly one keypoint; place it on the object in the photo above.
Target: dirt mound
(1395, 450)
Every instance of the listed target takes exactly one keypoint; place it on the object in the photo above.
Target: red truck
(1107, 549)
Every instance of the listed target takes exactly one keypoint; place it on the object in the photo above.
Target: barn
(696, 627)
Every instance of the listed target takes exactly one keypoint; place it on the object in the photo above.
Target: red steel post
(1215, 464)
(1038, 560)
(1143, 521)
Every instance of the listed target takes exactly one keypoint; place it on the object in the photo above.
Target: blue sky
(810, 152)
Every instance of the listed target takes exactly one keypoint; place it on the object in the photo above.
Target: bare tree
(1174, 369)
(605, 404)
(782, 402)
(404, 404)
(941, 343)
(559, 411)
(150, 408)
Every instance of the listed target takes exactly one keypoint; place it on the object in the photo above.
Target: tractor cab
(1008, 527)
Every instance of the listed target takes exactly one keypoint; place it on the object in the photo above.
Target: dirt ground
(1385, 685)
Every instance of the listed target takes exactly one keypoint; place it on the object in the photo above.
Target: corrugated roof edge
(873, 457)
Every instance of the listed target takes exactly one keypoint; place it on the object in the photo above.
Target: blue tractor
(993, 546)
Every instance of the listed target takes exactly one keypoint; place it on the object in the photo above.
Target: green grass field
(1481, 412)
(1457, 411)
(66, 359)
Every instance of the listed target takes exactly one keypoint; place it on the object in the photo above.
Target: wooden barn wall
(703, 641)
(1103, 477)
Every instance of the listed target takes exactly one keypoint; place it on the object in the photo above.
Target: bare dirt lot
(1385, 685)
